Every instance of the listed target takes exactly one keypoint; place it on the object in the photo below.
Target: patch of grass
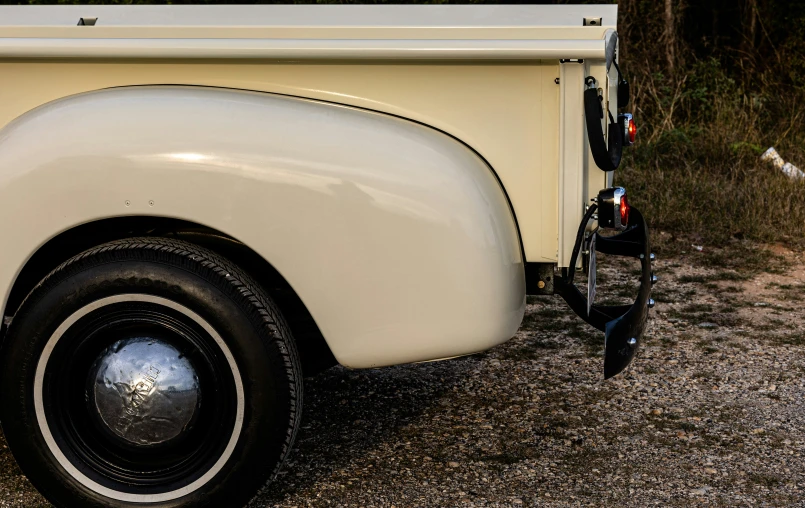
(728, 319)
(551, 313)
(665, 295)
(702, 312)
(703, 120)
(601, 277)
(688, 279)
(791, 292)
(545, 318)
(502, 458)
(709, 279)
(612, 300)
(780, 324)
(686, 176)
(792, 339)
(563, 324)
(667, 341)
(695, 308)
(626, 291)
(729, 276)
(764, 479)
(534, 349)
(746, 258)
(667, 245)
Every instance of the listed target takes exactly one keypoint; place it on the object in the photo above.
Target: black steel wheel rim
(102, 455)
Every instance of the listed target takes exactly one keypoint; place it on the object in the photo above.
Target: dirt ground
(711, 413)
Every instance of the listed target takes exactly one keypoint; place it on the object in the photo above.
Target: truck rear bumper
(623, 325)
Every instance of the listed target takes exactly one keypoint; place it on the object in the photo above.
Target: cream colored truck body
(397, 165)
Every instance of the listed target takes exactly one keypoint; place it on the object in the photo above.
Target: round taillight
(632, 130)
(626, 122)
(613, 208)
(624, 211)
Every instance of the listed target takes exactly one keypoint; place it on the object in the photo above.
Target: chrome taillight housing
(626, 122)
(613, 208)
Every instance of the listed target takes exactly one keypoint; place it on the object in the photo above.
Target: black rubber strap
(579, 240)
(623, 88)
(607, 157)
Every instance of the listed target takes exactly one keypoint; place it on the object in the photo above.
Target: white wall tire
(207, 320)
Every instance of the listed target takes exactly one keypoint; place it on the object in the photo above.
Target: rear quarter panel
(398, 238)
(507, 113)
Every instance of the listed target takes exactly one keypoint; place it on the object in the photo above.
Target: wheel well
(313, 350)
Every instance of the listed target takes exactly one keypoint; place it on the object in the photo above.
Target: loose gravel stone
(703, 417)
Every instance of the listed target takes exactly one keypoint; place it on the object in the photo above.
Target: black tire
(244, 414)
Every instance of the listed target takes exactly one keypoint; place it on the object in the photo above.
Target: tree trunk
(623, 27)
(670, 35)
(750, 25)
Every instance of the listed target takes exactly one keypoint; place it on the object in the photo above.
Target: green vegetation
(715, 83)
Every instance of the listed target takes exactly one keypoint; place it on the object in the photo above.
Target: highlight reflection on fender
(359, 211)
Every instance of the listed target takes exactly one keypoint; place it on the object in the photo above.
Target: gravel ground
(710, 413)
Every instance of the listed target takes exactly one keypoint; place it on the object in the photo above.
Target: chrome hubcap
(145, 392)
(118, 397)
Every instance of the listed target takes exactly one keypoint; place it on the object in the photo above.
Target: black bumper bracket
(623, 325)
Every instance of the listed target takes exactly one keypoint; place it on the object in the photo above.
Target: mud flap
(623, 325)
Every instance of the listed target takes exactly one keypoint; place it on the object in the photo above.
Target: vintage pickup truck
(203, 203)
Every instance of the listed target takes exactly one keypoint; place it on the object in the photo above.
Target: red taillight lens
(624, 211)
(626, 122)
(613, 209)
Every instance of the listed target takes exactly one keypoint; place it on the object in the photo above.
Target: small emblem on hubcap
(142, 390)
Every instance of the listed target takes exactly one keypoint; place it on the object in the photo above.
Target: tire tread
(219, 271)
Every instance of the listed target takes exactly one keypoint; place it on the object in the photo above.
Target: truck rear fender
(398, 238)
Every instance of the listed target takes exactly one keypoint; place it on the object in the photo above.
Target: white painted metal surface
(426, 254)
(303, 49)
(346, 17)
(506, 113)
(571, 171)
(398, 239)
(483, 74)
